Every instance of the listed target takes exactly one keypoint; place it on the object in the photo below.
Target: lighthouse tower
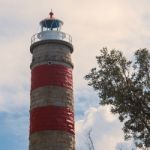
(52, 106)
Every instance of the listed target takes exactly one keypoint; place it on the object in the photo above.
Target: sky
(93, 24)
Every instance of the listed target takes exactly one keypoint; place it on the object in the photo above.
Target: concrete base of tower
(52, 140)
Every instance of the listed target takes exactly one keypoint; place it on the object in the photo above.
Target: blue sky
(120, 24)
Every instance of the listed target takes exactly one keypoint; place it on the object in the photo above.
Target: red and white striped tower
(52, 106)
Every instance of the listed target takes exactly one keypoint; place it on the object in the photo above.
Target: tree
(125, 86)
(90, 141)
(124, 146)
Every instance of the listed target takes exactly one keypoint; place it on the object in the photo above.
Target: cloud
(84, 98)
(14, 76)
(14, 99)
(105, 128)
(126, 146)
(117, 24)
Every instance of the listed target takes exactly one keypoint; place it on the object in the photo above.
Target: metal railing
(51, 35)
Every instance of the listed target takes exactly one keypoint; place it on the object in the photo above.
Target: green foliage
(125, 86)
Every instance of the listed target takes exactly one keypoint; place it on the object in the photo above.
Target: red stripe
(45, 75)
(51, 118)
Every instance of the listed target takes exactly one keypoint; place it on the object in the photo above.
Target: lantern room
(51, 30)
(51, 23)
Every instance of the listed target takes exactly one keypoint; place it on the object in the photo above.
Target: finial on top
(51, 14)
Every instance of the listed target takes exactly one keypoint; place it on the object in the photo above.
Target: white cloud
(14, 99)
(105, 129)
(117, 24)
(15, 75)
(126, 146)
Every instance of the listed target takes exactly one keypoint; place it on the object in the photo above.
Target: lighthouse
(51, 96)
